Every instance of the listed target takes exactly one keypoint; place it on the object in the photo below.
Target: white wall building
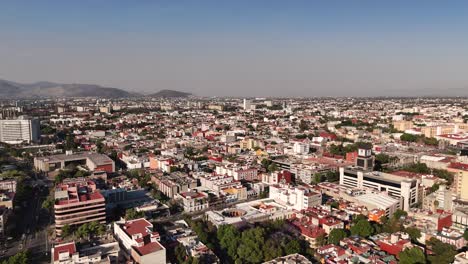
(301, 148)
(19, 130)
(139, 241)
(298, 198)
(396, 187)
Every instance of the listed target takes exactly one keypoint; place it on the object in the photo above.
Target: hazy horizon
(239, 48)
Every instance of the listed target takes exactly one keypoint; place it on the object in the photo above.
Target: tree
(336, 235)
(20, 258)
(465, 234)
(48, 203)
(303, 125)
(362, 228)
(412, 255)
(357, 218)
(252, 242)
(180, 253)
(66, 230)
(414, 233)
(229, 239)
(399, 213)
(321, 240)
(272, 249)
(408, 137)
(292, 247)
(443, 253)
(131, 214)
(272, 167)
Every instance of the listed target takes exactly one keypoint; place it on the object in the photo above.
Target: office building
(362, 177)
(77, 201)
(18, 131)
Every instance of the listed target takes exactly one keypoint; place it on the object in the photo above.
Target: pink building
(78, 202)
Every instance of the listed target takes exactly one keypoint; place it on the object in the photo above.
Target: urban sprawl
(234, 180)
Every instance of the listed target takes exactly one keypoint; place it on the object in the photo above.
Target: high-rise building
(247, 104)
(460, 171)
(21, 130)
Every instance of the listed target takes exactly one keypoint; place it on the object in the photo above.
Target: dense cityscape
(233, 132)
(234, 180)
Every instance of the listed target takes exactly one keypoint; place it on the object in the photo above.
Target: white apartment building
(238, 172)
(301, 147)
(193, 201)
(297, 198)
(19, 130)
(247, 104)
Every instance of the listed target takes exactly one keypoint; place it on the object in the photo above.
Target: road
(32, 224)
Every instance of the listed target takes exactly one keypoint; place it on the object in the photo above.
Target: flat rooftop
(97, 158)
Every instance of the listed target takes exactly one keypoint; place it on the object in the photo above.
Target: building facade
(78, 202)
(19, 130)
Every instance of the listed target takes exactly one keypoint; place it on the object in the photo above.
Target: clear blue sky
(240, 48)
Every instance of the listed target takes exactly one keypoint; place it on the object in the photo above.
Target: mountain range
(15, 90)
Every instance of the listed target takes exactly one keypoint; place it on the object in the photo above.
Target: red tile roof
(69, 247)
(148, 248)
(138, 226)
(459, 166)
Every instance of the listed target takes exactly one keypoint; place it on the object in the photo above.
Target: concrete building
(452, 237)
(19, 130)
(402, 125)
(69, 253)
(461, 258)
(247, 105)
(238, 172)
(301, 147)
(395, 186)
(442, 199)
(379, 201)
(78, 202)
(193, 201)
(249, 212)
(293, 258)
(94, 161)
(298, 198)
(174, 183)
(139, 241)
(8, 185)
(460, 183)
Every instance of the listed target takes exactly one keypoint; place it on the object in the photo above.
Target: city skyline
(214, 48)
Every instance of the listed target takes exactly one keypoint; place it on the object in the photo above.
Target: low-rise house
(193, 201)
(139, 241)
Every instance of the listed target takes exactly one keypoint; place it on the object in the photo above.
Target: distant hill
(10, 89)
(170, 94)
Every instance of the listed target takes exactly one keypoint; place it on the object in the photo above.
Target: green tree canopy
(443, 253)
(20, 258)
(362, 228)
(251, 246)
(414, 233)
(412, 255)
(336, 235)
